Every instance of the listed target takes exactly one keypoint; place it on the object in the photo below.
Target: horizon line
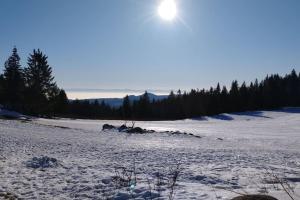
(115, 90)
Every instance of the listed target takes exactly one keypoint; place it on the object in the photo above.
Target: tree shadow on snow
(200, 118)
(295, 110)
(252, 114)
(219, 117)
(227, 117)
(222, 117)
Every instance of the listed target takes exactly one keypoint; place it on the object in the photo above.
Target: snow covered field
(237, 152)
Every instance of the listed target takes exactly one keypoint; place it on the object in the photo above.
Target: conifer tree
(126, 108)
(234, 97)
(13, 81)
(1, 89)
(62, 101)
(40, 84)
(144, 106)
(244, 97)
(58, 102)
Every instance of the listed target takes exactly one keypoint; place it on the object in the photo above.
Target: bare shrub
(173, 178)
(124, 177)
(127, 178)
(282, 182)
(132, 124)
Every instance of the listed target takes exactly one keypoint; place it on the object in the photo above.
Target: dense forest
(32, 90)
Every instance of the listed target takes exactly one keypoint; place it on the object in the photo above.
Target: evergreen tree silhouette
(13, 81)
(126, 108)
(144, 106)
(234, 97)
(59, 102)
(34, 91)
(40, 85)
(1, 89)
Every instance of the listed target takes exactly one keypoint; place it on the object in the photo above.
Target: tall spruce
(126, 108)
(60, 101)
(40, 84)
(13, 82)
(143, 110)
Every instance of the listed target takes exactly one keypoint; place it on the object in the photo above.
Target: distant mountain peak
(117, 102)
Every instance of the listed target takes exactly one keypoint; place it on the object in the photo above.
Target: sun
(167, 10)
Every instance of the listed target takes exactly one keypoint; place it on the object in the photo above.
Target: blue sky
(111, 44)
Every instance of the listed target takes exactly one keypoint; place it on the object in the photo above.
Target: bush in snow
(42, 162)
(108, 127)
(8, 195)
(130, 183)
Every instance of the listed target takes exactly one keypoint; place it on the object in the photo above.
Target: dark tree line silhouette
(32, 90)
(271, 93)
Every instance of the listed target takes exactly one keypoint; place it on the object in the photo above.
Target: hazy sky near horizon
(125, 44)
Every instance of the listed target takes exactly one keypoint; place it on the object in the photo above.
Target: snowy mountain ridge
(117, 102)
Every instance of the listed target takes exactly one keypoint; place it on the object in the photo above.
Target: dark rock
(254, 197)
(8, 195)
(122, 128)
(176, 133)
(181, 133)
(108, 127)
(137, 130)
(199, 177)
(150, 195)
(42, 162)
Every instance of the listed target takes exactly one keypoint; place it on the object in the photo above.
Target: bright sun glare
(167, 10)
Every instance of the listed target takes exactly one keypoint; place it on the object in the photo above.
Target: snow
(237, 152)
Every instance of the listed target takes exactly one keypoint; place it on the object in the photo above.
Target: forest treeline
(272, 92)
(32, 90)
